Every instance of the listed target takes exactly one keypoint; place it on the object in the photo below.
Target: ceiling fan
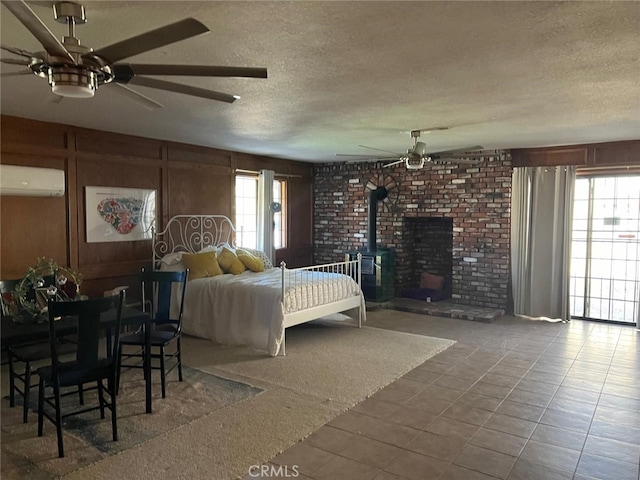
(74, 70)
(416, 157)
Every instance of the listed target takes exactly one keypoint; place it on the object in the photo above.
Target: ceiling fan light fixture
(415, 163)
(73, 82)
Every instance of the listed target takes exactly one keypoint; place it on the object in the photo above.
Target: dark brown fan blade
(135, 96)
(187, 90)
(198, 70)
(187, 28)
(20, 52)
(38, 29)
(15, 61)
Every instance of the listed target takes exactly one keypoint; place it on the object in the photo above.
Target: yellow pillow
(250, 261)
(230, 262)
(201, 265)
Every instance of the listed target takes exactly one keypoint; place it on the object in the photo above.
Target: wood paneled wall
(589, 156)
(189, 180)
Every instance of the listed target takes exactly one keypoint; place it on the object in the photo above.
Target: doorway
(605, 249)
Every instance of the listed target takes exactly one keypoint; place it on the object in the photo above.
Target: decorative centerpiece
(43, 281)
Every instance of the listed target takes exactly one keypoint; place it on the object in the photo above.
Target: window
(279, 218)
(605, 250)
(246, 221)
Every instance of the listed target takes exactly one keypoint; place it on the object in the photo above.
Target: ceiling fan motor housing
(414, 161)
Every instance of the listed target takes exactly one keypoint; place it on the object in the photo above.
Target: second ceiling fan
(74, 70)
(417, 156)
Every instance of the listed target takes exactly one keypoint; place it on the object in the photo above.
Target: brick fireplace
(452, 220)
(428, 248)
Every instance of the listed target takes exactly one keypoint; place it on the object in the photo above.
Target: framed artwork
(119, 214)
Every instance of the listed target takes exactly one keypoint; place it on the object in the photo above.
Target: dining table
(14, 333)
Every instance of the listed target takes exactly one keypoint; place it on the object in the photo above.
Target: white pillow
(261, 255)
(178, 266)
(172, 258)
(225, 245)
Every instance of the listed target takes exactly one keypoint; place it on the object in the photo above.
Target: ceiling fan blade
(392, 163)
(187, 90)
(15, 74)
(19, 51)
(15, 61)
(430, 129)
(136, 96)
(38, 29)
(42, 3)
(375, 158)
(380, 150)
(360, 155)
(459, 150)
(197, 70)
(187, 28)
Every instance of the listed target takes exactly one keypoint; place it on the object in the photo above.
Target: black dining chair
(22, 357)
(95, 318)
(165, 291)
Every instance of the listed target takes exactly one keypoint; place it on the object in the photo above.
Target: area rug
(330, 360)
(88, 439)
(329, 367)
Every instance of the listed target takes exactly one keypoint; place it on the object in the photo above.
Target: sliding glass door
(605, 250)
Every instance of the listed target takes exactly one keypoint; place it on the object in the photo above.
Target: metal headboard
(191, 233)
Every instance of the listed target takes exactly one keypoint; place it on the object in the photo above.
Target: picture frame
(119, 214)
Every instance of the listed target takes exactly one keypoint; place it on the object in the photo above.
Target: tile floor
(513, 399)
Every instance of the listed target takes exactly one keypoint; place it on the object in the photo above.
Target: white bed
(254, 308)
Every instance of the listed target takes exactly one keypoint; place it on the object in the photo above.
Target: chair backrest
(93, 318)
(165, 291)
(8, 296)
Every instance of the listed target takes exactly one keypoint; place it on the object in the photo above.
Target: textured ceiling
(341, 74)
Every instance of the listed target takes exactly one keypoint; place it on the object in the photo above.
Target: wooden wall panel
(189, 179)
(113, 258)
(22, 132)
(32, 227)
(200, 190)
(547, 157)
(192, 154)
(106, 143)
(619, 153)
(608, 154)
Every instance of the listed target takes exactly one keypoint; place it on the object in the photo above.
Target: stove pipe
(380, 193)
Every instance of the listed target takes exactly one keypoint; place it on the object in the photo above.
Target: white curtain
(265, 215)
(541, 218)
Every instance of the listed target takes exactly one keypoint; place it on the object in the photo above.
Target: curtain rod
(286, 175)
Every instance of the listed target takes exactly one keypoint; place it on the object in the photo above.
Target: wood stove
(378, 263)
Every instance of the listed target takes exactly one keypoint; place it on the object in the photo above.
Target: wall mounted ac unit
(31, 181)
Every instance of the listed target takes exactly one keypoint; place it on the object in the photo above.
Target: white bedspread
(245, 309)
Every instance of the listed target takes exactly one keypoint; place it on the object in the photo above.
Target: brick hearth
(475, 197)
